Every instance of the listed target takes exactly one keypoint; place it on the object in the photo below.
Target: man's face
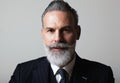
(59, 28)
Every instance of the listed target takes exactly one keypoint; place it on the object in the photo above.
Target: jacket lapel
(78, 74)
(44, 73)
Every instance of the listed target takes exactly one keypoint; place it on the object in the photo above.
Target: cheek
(70, 39)
(47, 39)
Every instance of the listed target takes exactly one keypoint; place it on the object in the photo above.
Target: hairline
(43, 15)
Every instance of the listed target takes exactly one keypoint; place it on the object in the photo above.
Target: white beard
(60, 58)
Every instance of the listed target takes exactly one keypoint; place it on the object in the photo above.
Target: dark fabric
(39, 71)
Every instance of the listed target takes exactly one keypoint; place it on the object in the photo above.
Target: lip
(58, 48)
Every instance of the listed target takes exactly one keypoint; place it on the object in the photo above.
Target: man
(61, 64)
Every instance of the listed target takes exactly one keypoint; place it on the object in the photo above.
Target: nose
(58, 37)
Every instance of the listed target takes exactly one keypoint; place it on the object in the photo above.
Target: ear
(78, 30)
(42, 33)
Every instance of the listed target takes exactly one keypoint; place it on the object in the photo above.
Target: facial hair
(62, 57)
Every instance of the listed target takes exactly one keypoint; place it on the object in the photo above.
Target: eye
(67, 30)
(50, 30)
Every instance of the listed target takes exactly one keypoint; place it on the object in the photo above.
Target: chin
(60, 58)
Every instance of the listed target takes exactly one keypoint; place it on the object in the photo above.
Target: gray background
(20, 27)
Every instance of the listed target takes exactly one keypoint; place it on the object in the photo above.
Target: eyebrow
(53, 28)
(67, 27)
(47, 28)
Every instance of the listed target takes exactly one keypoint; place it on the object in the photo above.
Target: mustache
(62, 45)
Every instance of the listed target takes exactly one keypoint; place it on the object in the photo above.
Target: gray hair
(61, 6)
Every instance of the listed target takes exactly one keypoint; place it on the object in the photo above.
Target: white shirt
(68, 68)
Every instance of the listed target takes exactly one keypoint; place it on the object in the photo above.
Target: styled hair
(61, 6)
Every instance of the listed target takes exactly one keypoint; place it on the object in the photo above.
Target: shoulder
(94, 68)
(29, 66)
(33, 62)
(25, 69)
(90, 64)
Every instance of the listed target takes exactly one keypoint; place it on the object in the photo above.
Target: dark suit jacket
(84, 71)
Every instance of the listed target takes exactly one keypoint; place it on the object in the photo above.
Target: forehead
(57, 18)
